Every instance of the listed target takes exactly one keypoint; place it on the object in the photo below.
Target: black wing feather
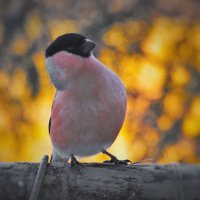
(49, 125)
(50, 116)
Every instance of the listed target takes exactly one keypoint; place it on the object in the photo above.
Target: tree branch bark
(102, 181)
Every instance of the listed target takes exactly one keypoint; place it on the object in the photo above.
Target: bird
(89, 106)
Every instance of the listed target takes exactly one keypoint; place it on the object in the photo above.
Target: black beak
(87, 47)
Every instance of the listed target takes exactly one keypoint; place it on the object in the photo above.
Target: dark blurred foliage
(154, 46)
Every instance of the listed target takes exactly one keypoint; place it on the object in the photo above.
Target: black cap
(72, 43)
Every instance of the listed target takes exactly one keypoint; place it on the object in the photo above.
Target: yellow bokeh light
(173, 104)
(191, 123)
(150, 79)
(6, 147)
(151, 136)
(33, 25)
(18, 82)
(4, 79)
(119, 147)
(195, 108)
(164, 123)
(141, 106)
(138, 150)
(115, 37)
(143, 76)
(180, 76)
(60, 27)
(128, 69)
(20, 45)
(164, 34)
(184, 150)
(107, 56)
(191, 126)
(195, 39)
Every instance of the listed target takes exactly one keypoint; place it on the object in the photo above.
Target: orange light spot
(138, 150)
(180, 76)
(107, 56)
(164, 122)
(4, 79)
(115, 37)
(151, 136)
(191, 123)
(150, 79)
(165, 32)
(173, 104)
(18, 82)
(184, 150)
(20, 45)
(195, 39)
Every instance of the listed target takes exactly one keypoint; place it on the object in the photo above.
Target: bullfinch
(90, 101)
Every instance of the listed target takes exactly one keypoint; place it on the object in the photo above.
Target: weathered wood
(102, 181)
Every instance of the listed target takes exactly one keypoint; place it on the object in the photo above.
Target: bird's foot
(75, 164)
(118, 162)
(114, 159)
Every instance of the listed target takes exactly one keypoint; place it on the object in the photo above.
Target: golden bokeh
(156, 63)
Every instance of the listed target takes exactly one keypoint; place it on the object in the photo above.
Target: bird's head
(64, 56)
(71, 43)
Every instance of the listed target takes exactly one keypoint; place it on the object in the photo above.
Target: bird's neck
(65, 68)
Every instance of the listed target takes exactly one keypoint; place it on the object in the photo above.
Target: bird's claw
(75, 164)
(115, 161)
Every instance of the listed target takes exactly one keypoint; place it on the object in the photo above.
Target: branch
(102, 181)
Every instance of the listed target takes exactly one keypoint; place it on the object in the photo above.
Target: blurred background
(154, 46)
